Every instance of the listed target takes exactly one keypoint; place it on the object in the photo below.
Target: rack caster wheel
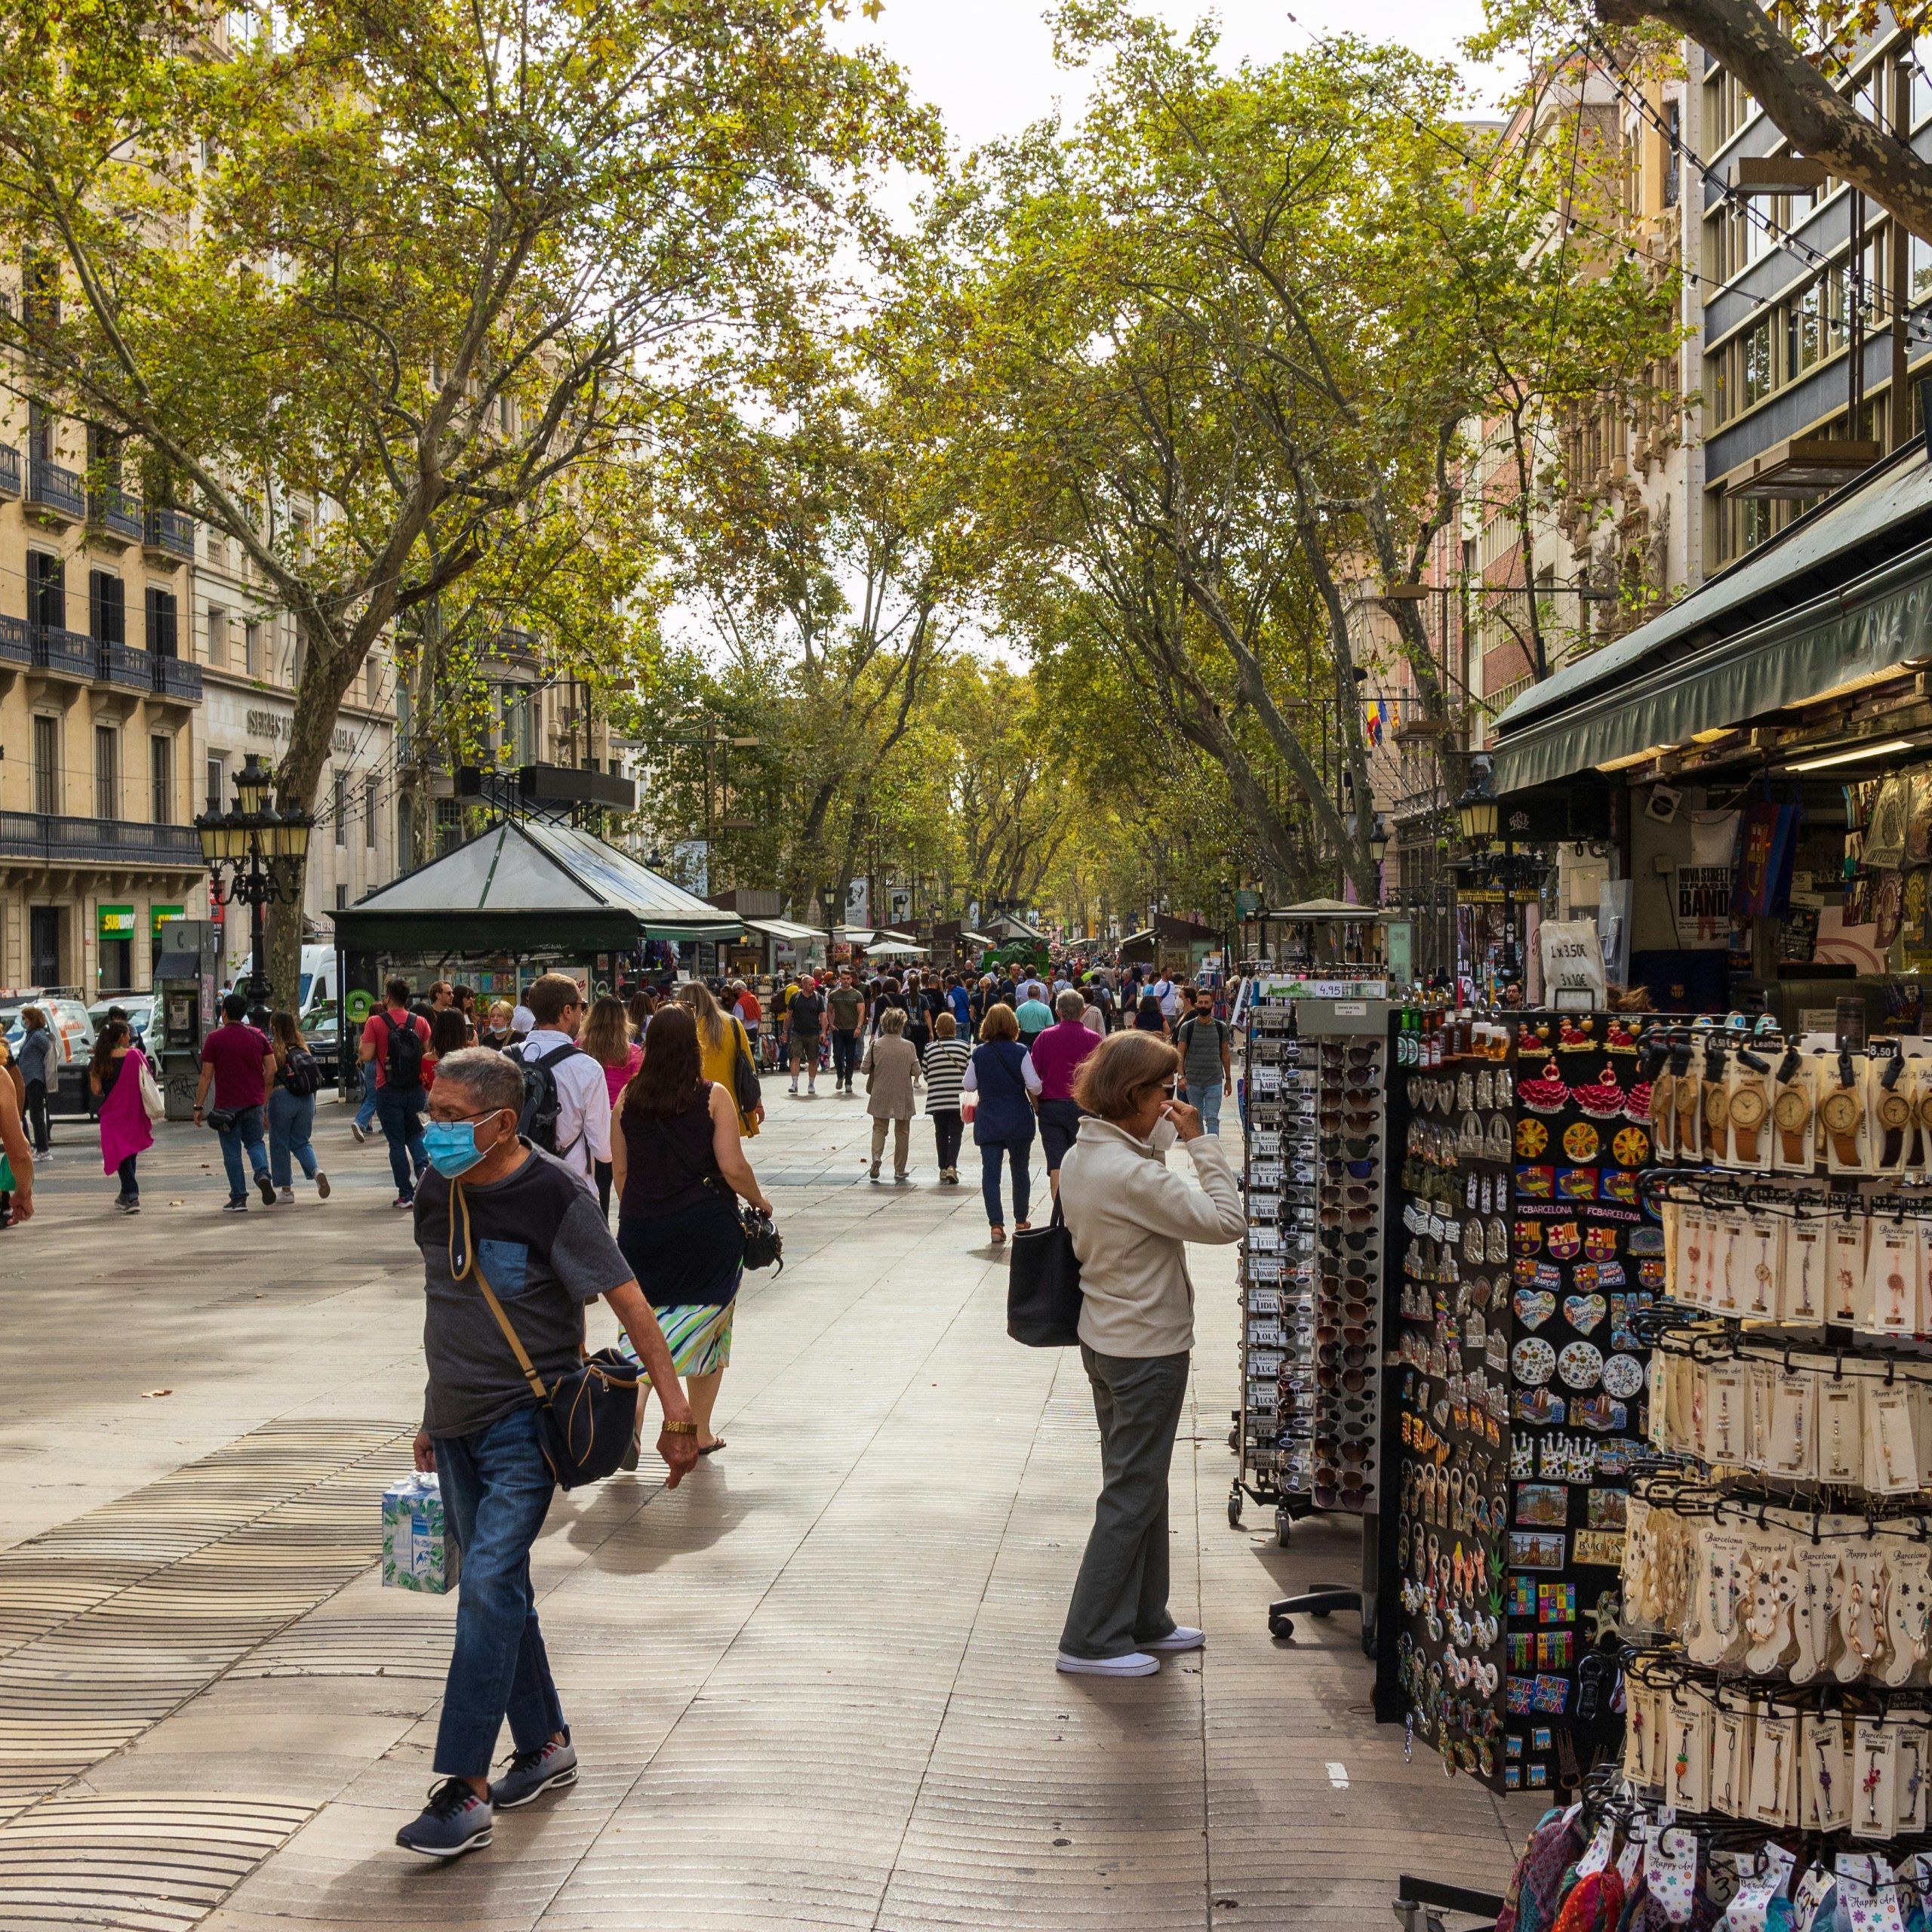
(1281, 1626)
(1234, 1511)
(1322, 1613)
(1284, 1528)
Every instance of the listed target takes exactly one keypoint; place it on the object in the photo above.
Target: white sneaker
(361, 1132)
(287, 1195)
(1181, 1638)
(795, 1086)
(1136, 1663)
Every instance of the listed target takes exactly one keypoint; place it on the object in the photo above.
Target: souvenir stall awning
(528, 886)
(1842, 597)
(789, 930)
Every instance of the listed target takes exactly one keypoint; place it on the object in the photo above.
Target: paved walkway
(813, 1688)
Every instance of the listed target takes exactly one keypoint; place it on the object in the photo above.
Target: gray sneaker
(235, 1207)
(267, 1187)
(533, 1773)
(361, 1132)
(455, 1820)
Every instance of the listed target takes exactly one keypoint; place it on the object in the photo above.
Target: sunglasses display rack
(1274, 1427)
(1777, 1575)
(1526, 1258)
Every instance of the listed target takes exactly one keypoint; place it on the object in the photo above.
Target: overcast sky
(988, 65)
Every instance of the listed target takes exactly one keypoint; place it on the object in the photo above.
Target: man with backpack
(566, 1098)
(1206, 1071)
(394, 1041)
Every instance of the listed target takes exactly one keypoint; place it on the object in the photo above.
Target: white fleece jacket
(1131, 1220)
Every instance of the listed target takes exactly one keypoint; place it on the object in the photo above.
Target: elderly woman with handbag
(891, 1068)
(1130, 1220)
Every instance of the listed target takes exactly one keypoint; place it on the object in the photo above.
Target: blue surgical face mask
(452, 1145)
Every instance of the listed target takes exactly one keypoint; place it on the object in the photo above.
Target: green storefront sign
(115, 922)
(158, 913)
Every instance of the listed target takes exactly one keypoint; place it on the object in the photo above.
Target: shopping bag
(1043, 1288)
(418, 1551)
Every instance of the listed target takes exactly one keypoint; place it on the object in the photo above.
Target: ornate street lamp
(262, 851)
(1477, 812)
(1476, 808)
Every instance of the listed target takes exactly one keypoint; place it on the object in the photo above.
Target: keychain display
(1528, 1257)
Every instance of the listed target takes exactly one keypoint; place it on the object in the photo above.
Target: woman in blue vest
(1000, 1078)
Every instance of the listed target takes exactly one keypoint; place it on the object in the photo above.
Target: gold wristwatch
(681, 1429)
(1747, 1114)
(1792, 1112)
(1841, 1113)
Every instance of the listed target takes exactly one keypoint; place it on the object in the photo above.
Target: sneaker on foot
(532, 1772)
(795, 1086)
(403, 1200)
(455, 1820)
(1182, 1637)
(361, 1132)
(321, 1185)
(267, 1187)
(286, 1196)
(1136, 1663)
(42, 1156)
(128, 1207)
(235, 1207)
(875, 1171)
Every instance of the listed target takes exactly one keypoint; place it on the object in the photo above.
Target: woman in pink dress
(606, 1038)
(115, 1076)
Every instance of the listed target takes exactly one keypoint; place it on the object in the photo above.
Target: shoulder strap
(473, 1264)
(555, 1054)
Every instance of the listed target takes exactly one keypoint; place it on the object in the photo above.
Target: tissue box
(418, 1553)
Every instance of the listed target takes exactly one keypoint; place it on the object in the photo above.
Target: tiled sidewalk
(813, 1688)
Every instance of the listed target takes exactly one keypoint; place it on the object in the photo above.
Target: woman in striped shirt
(946, 1057)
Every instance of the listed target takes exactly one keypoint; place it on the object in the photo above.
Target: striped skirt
(699, 1336)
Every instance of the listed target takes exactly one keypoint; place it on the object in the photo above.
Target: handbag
(222, 1119)
(745, 1088)
(155, 1106)
(1043, 1288)
(586, 1418)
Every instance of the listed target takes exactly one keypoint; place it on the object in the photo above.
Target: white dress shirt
(584, 1114)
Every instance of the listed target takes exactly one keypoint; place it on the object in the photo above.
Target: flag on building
(1378, 714)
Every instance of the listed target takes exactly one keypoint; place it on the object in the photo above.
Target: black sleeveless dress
(678, 1219)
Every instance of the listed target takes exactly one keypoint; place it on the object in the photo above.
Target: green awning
(1882, 620)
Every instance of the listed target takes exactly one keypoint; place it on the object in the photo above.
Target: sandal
(1022, 1227)
(999, 1236)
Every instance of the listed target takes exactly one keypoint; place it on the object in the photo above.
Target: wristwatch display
(1792, 1112)
(1842, 1114)
(1747, 1114)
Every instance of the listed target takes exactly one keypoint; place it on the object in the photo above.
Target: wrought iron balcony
(16, 642)
(97, 842)
(126, 664)
(67, 653)
(176, 677)
(169, 537)
(9, 470)
(115, 516)
(55, 491)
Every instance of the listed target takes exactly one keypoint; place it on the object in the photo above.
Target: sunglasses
(1336, 1354)
(1332, 1240)
(1337, 1167)
(1355, 1056)
(1328, 1334)
(1356, 1217)
(1333, 1119)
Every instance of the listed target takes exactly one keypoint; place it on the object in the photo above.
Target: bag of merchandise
(418, 1552)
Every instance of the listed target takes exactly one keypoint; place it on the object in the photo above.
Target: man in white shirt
(583, 1116)
(1165, 990)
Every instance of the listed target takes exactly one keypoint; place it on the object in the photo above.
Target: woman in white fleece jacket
(1131, 1219)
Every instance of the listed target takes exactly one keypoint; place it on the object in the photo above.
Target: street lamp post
(262, 850)
(1479, 816)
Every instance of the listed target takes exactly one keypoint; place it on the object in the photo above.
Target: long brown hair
(662, 1086)
(712, 1024)
(287, 1034)
(606, 1037)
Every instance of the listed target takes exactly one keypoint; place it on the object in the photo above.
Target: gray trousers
(1120, 1599)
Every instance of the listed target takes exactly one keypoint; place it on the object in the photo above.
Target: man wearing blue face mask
(534, 1233)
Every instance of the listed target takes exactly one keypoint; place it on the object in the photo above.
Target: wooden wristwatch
(1894, 1116)
(1747, 1109)
(1664, 1113)
(1792, 1112)
(1688, 1115)
(1841, 1113)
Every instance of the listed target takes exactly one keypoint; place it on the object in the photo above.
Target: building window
(372, 683)
(369, 794)
(1673, 154)
(449, 824)
(46, 764)
(107, 608)
(40, 442)
(106, 771)
(251, 648)
(161, 777)
(217, 774)
(47, 589)
(217, 635)
(341, 898)
(341, 808)
(1755, 361)
(161, 611)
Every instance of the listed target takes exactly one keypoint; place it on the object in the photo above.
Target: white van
(317, 986)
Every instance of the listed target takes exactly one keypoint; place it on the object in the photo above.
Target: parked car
(323, 1032)
(72, 1025)
(138, 1007)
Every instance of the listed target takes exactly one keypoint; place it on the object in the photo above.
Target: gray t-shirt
(1199, 1039)
(539, 1237)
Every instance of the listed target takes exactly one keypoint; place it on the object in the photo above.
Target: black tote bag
(1043, 1290)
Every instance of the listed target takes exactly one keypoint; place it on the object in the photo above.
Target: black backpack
(302, 1072)
(543, 1098)
(403, 1064)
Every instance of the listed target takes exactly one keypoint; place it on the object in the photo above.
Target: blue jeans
(1208, 1100)
(247, 1132)
(989, 1154)
(401, 1113)
(496, 1489)
(366, 1113)
(844, 1053)
(131, 1189)
(291, 1121)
